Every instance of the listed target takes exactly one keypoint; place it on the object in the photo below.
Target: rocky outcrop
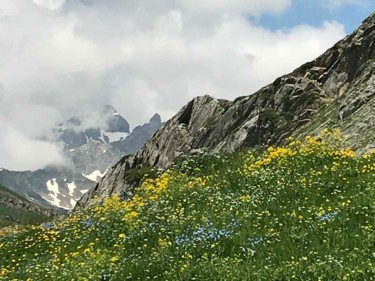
(331, 90)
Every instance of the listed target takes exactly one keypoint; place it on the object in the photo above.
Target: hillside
(336, 90)
(15, 209)
(250, 189)
(303, 211)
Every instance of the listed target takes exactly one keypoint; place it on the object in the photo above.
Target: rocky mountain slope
(51, 187)
(15, 209)
(91, 145)
(334, 90)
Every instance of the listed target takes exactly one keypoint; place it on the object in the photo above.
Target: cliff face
(335, 90)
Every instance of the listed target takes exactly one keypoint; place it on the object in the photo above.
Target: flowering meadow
(305, 211)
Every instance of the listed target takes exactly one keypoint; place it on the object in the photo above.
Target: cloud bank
(63, 57)
(334, 4)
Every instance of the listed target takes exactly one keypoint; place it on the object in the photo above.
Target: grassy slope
(11, 216)
(303, 212)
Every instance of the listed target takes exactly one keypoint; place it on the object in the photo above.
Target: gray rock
(336, 90)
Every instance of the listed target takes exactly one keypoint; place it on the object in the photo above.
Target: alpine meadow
(278, 185)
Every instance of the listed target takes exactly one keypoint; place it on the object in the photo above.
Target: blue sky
(314, 12)
(61, 58)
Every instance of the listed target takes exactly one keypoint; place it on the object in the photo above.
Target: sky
(60, 58)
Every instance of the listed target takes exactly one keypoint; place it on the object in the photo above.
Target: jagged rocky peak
(104, 126)
(335, 90)
(73, 122)
(139, 136)
(189, 129)
(115, 122)
(155, 121)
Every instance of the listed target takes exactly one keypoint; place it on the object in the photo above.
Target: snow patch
(101, 137)
(71, 186)
(117, 136)
(72, 203)
(95, 176)
(83, 191)
(105, 150)
(53, 187)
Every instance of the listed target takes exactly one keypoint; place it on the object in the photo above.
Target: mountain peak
(99, 126)
(156, 119)
(75, 121)
(109, 109)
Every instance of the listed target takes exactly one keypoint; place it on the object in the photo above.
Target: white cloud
(19, 152)
(49, 4)
(234, 7)
(334, 4)
(60, 57)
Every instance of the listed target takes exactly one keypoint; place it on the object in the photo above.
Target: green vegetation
(10, 215)
(269, 115)
(137, 173)
(300, 212)
(5, 192)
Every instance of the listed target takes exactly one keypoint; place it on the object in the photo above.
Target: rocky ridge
(335, 90)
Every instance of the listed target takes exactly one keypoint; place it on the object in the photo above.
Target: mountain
(51, 187)
(103, 149)
(92, 144)
(80, 130)
(335, 90)
(14, 209)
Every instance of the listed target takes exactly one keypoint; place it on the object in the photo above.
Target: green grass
(10, 216)
(5, 192)
(13, 216)
(301, 212)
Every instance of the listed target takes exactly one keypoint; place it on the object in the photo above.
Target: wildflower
(48, 225)
(114, 259)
